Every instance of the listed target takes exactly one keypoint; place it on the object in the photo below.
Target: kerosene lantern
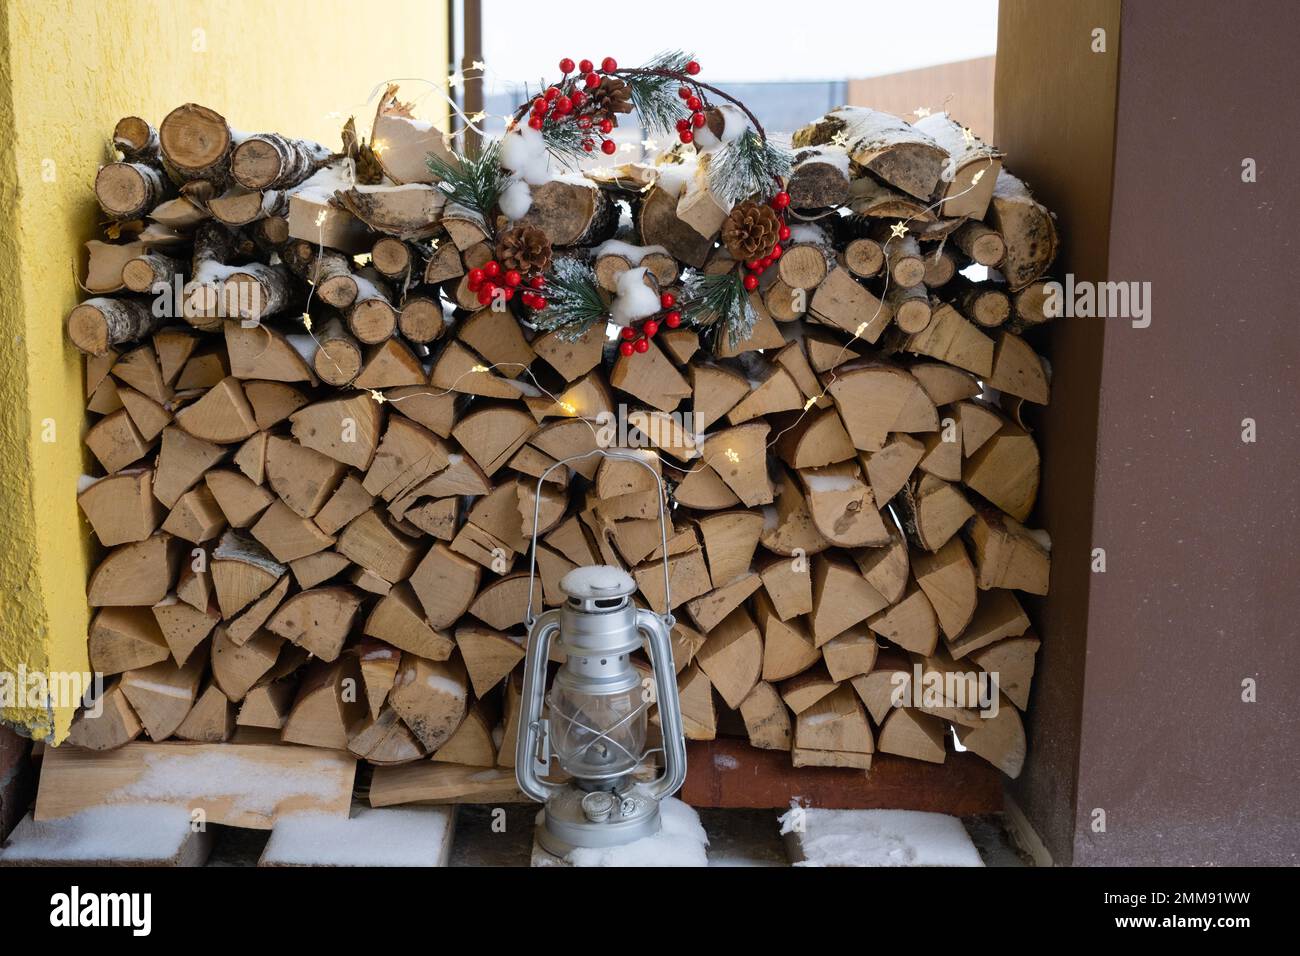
(594, 723)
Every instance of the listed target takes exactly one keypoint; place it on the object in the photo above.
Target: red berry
(683, 125)
(684, 91)
(537, 282)
(698, 120)
(563, 105)
(526, 298)
(642, 345)
(539, 302)
(588, 145)
(513, 278)
(693, 102)
(592, 80)
(474, 286)
(585, 66)
(551, 93)
(668, 300)
(578, 98)
(539, 105)
(608, 147)
(650, 327)
(607, 126)
(508, 294)
(751, 282)
(625, 349)
(686, 136)
(753, 265)
(566, 65)
(628, 332)
(780, 200)
(783, 232)
(673, 319)
(764, 262)
(536, 122)
(775, 253)
(584, 122)
(484, 295)
(477, 275)
(692, 68)
(492, 269)
(609, 64)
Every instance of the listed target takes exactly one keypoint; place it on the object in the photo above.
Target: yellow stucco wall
(68, 70)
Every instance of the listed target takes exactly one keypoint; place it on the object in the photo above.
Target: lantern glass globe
(598, 737)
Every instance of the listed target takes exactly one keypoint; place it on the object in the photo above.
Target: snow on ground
(123, 833)
(681, 841)
(387, 836)
(879, 838)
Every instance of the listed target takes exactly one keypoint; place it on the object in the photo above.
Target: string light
(841, 138)
(922, 111)
(479, 368)
(306, 321)
(320, 219)
(967, 136)
(478, 65)
(810, 403)
(898, 230)
(977, 177)
(378, 396)
(732, 455)
(378, 147)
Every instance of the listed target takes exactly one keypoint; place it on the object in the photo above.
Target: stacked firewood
(321, 451)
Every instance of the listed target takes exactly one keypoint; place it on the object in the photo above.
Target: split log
(272, 161)
(900, 154)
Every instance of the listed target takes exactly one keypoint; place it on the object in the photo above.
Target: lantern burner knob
(598, 587)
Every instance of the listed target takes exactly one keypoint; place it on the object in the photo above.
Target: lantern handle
(534, 734)
(667, 616)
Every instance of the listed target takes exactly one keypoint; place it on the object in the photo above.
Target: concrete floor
(736, 838)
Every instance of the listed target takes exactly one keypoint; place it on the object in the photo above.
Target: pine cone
(524, 248)
(750, 231)
(610, 98)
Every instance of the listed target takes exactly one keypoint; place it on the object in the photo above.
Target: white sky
(741, 41)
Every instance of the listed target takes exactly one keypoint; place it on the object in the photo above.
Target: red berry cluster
(571, 100)
(694, 100)
(756, 267)
(489, 279)
(636, 337)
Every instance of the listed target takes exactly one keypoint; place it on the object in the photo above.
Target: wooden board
(241, 785)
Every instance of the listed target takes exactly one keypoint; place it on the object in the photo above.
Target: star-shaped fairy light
(840, 139)
(922, 111)
(306, 321)
(967, 136)
(378, 396)
(478, 65)
(454, 80)
(650, 143)
(898, 230)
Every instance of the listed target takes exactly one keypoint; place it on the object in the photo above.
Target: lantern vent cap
(596, 583)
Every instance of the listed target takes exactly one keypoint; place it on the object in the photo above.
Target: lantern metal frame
(600, 810)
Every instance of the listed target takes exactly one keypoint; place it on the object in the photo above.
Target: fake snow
(634, 299)
(681, 841)
(836, 156)
(673, 177)
(725, 762)
(633, 254)
(805, 232)
(102, 833)
(321, 185)
(251, 786)
(735, 124)
(880, 838)
(820, 483)
(516, 199)
(443, 685)
(523, 152)
(387, 836)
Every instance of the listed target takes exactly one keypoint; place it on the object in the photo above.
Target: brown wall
(1201, 529)
(1137, 707)
(963, 88)
(1055, 118)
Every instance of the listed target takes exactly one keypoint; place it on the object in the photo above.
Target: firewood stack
(321, 455)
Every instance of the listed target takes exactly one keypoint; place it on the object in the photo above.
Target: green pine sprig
(654, 92)
(573, 300)
(717, 305)
(749, 165)
(475, 180)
